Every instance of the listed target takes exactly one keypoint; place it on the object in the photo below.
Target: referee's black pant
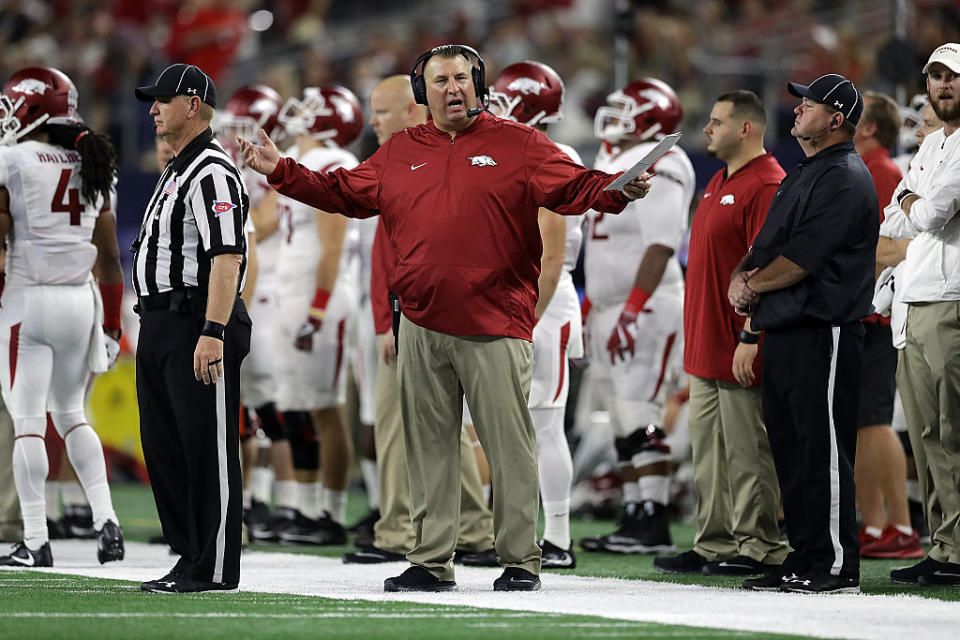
(190, 437)
(811, 383)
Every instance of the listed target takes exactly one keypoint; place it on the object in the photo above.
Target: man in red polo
(737, 532)
(881, 463)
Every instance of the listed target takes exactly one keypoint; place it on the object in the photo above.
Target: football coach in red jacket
(459, 197)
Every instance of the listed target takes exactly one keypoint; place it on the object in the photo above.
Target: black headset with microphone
(833, 125)
(477, 72)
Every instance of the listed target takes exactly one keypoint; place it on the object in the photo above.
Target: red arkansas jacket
(460, 215)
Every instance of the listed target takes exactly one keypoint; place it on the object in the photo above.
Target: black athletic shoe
(372, 555)
(485, 558)
(416, 578)
(77, 521)
(772, 580)
(282, 520)
(109, 543)
(817, 582)
(258, 515)
(22, 556)
(322, 531)
(516, 579)
(554, 557)
(176, 572)
(686, 562)
(911, 574)
(55, 530)
(946, 574)
(645, 528)
(737, 566)
(187, 585)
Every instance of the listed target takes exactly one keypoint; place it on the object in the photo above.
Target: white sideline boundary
(825, 616)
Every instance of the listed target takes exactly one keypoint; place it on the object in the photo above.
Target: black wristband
(749, 338)
(903, 195)
(213, 330)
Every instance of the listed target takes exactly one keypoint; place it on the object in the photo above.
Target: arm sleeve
(219, 206)
(821, 228)
(940, 202)
(354, 192)
(382, 263)
(895, 224)
(563, 186)
(755, 213)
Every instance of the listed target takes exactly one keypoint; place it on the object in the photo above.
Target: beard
(946, 114)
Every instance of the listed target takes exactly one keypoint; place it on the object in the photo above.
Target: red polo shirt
(726, 222)
(886, 176)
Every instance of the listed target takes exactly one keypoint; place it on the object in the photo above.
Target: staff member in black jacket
(807, 281)
(190, 261)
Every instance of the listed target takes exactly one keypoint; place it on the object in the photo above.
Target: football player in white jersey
(318, 294)
(56, 328)
(634, 289)
(532, 93)
(249, 109)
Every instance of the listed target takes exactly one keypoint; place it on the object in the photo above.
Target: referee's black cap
(833, 90)
(180, 80)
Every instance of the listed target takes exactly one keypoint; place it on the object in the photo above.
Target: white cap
(947, 55)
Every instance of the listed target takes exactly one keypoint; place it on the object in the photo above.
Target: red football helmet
(644, 109)
(328, 113)
(528, 92)
(249, 109)
(34, 96)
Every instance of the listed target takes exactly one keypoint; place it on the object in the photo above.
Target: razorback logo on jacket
(482, 161)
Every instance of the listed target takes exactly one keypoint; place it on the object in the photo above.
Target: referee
(189, 263)
(808, 281)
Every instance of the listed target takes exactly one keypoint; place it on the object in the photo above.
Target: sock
(30, 470)
(369, 469)
(260, 480)
(655, 488)
(86, 456)
(335, 504)
(72, 494)
(309, 502)
(873, 532)
(52, 498)
(904, 529)
(486, 493)
(632, 492)
(247, 499)
(287, 494)
(556, 528)
(913, 490)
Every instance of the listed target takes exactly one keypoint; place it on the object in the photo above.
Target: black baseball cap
(833, 90)
(180, 80)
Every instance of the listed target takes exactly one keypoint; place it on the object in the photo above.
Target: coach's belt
(168, 300)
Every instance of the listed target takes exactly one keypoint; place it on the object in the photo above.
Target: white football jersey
(52, 222)
(574, 223)
(615, 244)
(300, 248)
(268, 249)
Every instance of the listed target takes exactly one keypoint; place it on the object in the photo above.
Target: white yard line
(837, 616)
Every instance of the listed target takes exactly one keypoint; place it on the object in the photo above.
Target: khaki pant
(394, 530)
(733, 470)
(929, 379)
(11, 529)
(436, 371)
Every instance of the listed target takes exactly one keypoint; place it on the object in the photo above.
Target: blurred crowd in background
(700, 47)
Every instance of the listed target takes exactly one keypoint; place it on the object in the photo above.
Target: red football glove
(621, 341)
(314, 322)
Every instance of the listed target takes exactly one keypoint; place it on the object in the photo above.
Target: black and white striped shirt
(198, 210)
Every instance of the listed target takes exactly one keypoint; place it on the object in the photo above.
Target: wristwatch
(749, 338)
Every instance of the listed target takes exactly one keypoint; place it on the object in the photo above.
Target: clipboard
(665, 144)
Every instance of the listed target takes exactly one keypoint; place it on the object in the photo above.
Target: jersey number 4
(67, 200)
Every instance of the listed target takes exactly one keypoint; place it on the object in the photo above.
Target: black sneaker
(416, 578)
(911, 574)
(554, 557)
(176, 572)
(946, 574)
(23, 556)
(772, 580)
(686, 562)
(372, 555)
(737, 566)
(77, 521)
(817, 582)
(55, 530)
(109, 543)
(322, 531)
(187, 585)
(486, 558)
(516, 579)
(645, 528)
(282, 520)
(258, 515)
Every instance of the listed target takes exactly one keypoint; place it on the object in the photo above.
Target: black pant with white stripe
(190, 436)
(811, 382)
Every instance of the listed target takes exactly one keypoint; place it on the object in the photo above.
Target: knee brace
(303, 441)
(642, 447)
(270, 422)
